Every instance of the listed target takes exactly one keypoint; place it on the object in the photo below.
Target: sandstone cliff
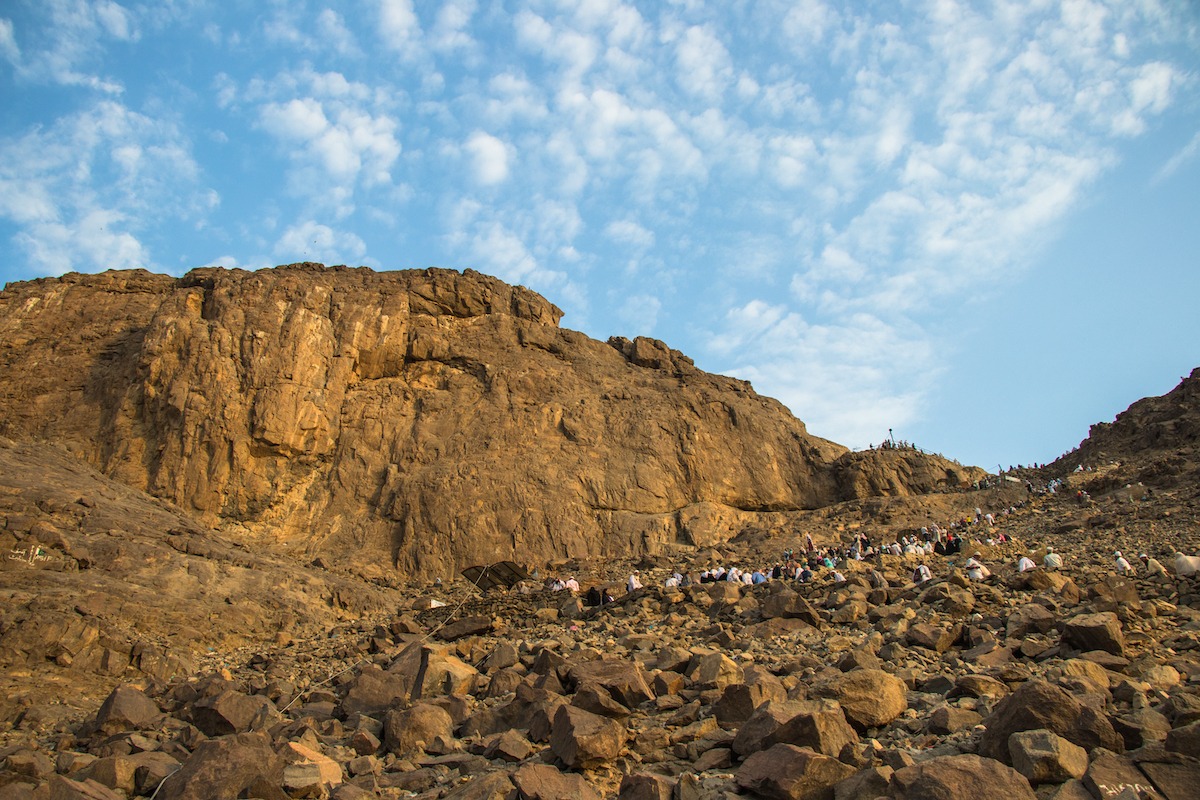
(415, 420)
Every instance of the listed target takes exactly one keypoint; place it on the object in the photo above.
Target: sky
(973, 224)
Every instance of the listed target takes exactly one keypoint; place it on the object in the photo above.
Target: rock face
(423, 420)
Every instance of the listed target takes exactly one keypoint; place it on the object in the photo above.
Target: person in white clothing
(1123, 565)
(1052, 560)
(634, 583)
(1025, 564)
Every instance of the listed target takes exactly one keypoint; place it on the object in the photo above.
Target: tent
(502, 573)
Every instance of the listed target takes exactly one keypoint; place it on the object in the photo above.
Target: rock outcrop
(417, 421)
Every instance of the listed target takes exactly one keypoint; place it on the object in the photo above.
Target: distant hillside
(1155, 440)
(416, 421)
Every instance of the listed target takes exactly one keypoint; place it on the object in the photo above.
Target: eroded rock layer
(416, 420)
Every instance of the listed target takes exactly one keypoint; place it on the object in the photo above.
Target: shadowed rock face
(422, 420)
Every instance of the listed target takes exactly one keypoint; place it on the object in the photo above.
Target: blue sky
(974, 223)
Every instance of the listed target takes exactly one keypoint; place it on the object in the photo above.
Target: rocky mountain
(410, 422)
(200, 642)
(1156, 439)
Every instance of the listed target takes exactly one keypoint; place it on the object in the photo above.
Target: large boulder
(787, 772)
(869, 697)
(962, 777)
(1041, 705)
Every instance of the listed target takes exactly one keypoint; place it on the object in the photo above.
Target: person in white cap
(1123, 566)
(1052, 560)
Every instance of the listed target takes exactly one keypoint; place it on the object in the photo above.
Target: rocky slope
(415, 421)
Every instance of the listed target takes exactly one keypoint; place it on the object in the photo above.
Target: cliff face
(421, 420)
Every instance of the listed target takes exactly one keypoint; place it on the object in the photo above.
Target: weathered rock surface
(423, 420)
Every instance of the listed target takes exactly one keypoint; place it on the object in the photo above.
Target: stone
(822, 728)
(581, 739)
(1044, 757)
(932, 637)
(1029, 619)
(869, 697)
(714, 671)
(544, 782)
(1040, 705)
(740, 700)
(961, 777)
(1100, 631)
(414, 728)
(646, 786)
(233, 712)
(66, 789)
(752, 735)
(228, 767)
(791, 605)
(951, 719)
(1109, 774)
(127, 708)
(787, 772)
(489, 786)
(624, 680)
(1185, 739)
(324, 769)
(1173, 781)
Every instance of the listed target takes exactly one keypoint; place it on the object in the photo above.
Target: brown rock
(646, 786)
(822, 727)
(581, 739)
(1044, 757)
(416, 727)
(233, 712)
(713, 671)
(66, 789)
(489, 786)
(1174, 781)
(624, 680)
(787, 772)
(544, 782)
(127, 708)
(964, 777)
(226, 768)
(932, 637)
(951, 719)
(1038, 705)
(1109, 774)
(1100, 631)
(869, 697)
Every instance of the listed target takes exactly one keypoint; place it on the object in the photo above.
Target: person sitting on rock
(1154, 567)
(1025, 564)
(673, 581)
(976, 571)
(1052, 560)
(922, 574)
(1186, 565)
(757, 577)
(1123, 565)
(806, 575)
(571, 585)
(634, 583)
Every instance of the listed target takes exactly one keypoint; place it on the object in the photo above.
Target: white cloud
(489, 158)
(451, 26)
(1187, 153)
(332, 31)
(313, 241)
(398, 25)
(82, 191)
(628, 232)
(8, 43)
(703, 62)
(639, 313)
(72, 39)
(337, 140)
